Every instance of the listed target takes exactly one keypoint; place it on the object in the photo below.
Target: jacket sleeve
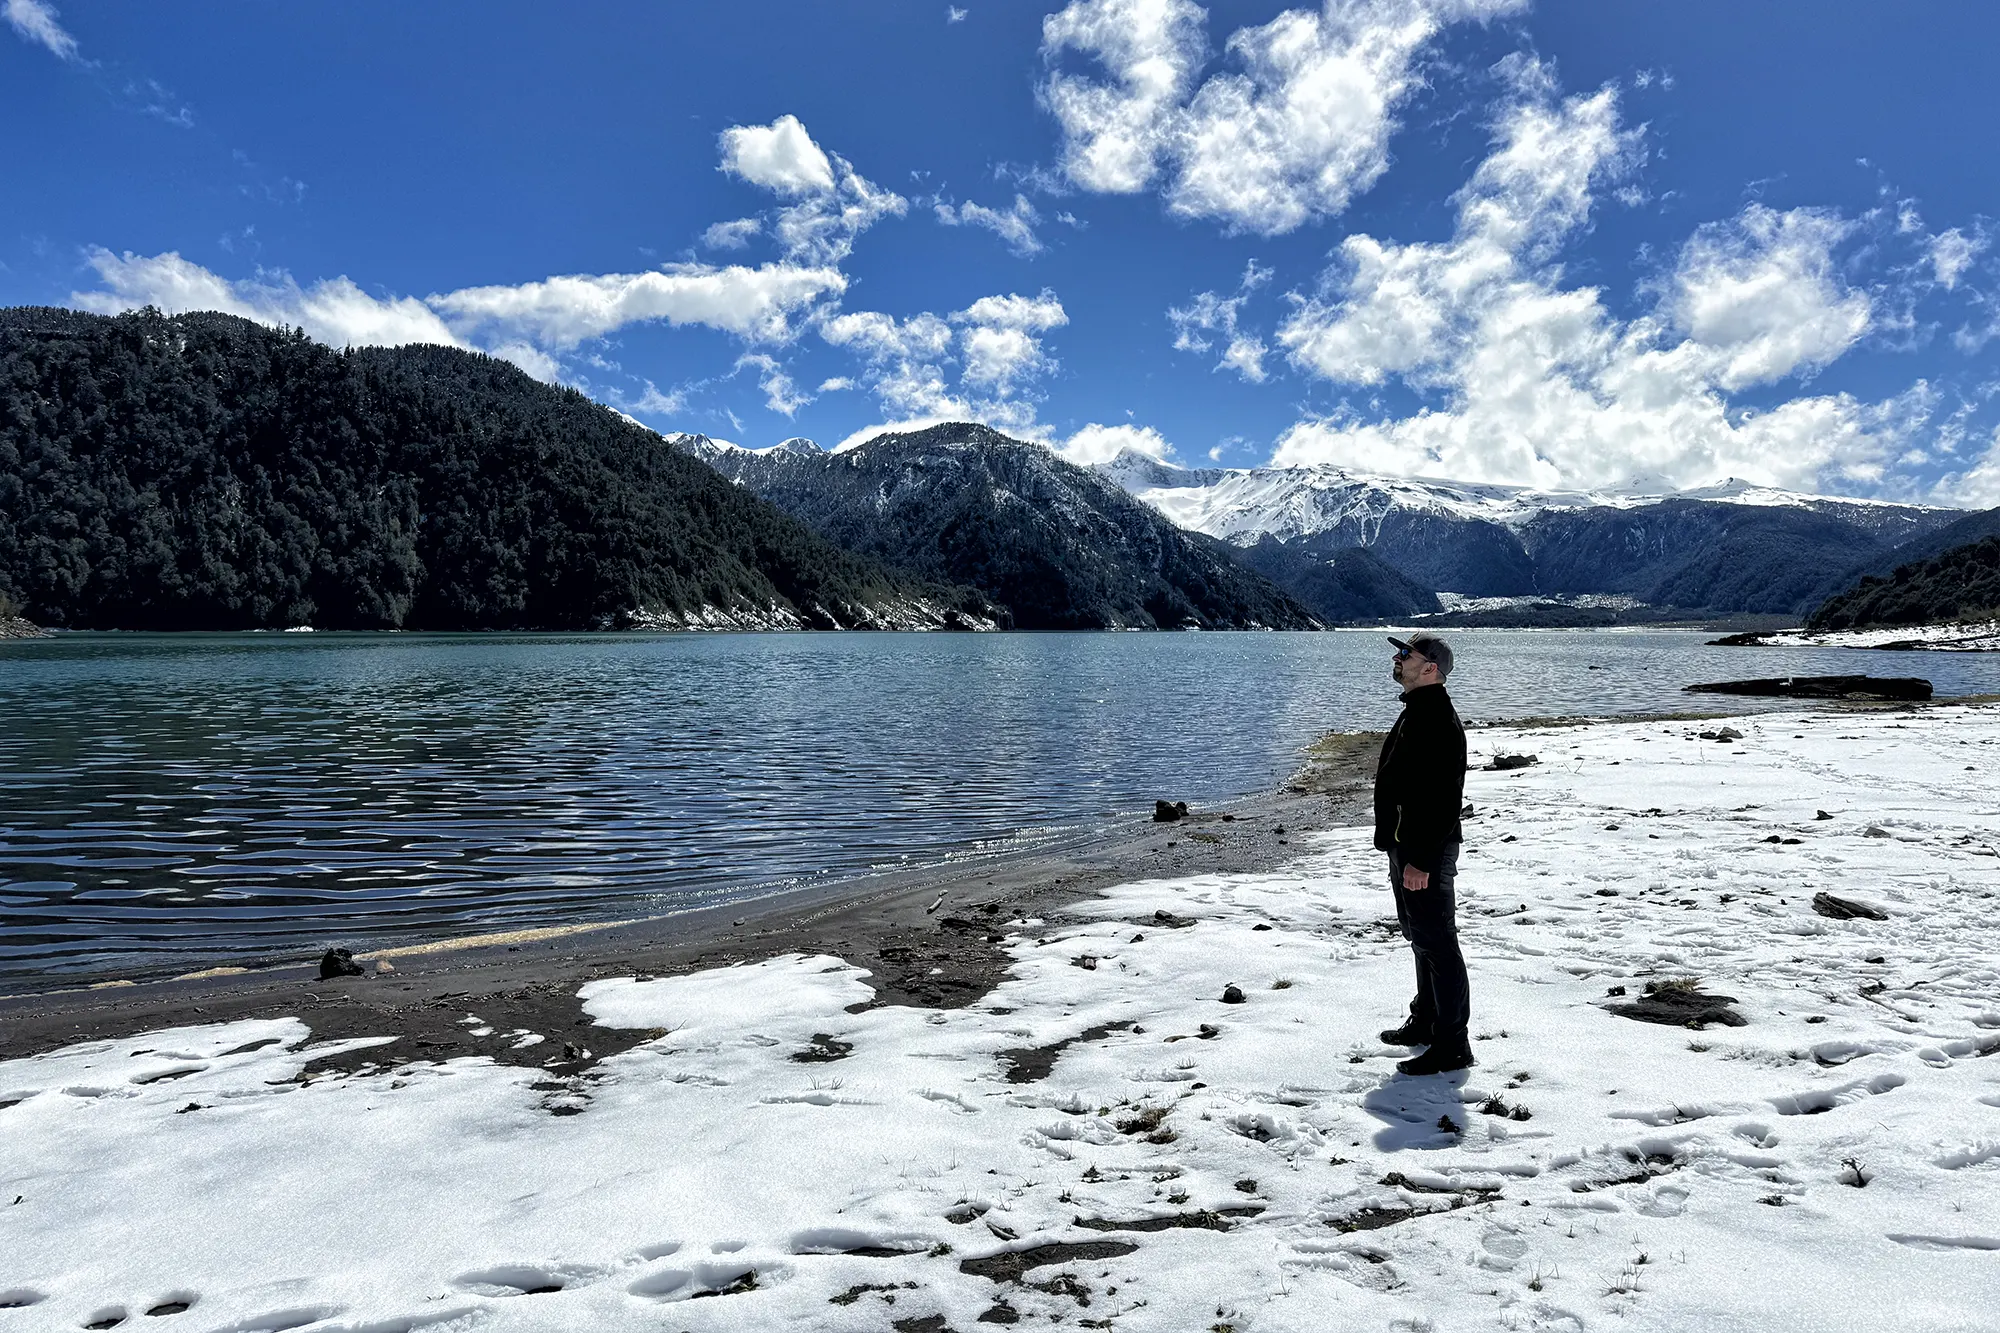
(1428, 814)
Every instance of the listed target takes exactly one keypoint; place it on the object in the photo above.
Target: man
(1419, 785)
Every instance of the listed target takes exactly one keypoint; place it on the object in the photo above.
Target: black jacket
(1420, 781)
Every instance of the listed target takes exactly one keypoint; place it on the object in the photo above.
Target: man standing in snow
(1419, 784)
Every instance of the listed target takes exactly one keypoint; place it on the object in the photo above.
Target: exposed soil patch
(1010, 1266)
(1032, 1064)
(823, 1049)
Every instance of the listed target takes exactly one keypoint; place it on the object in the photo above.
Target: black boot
(1438, 1060)
(1412, 1033)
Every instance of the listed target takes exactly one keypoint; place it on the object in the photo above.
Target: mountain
(1956, 585)
(1340, 584)
(1722, 549)
(1058, 545)
(205, 472)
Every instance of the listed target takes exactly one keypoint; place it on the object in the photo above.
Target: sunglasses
(1404, 654)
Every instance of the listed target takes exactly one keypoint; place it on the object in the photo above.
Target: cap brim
(1400, 644)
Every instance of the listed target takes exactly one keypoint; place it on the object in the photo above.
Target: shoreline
(922, 933)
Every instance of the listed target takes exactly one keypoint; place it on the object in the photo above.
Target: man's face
(1408, 668)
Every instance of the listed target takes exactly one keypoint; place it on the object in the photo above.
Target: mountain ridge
(1060, 546)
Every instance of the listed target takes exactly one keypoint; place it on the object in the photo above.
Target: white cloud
(780, 156)
(1979, 486)
(756, 303)
(37, 21)
(1101, 444)
(334, 311)
(1760, 293)
(1540, 384)
(1016, 226)
(977, 364)
(1115, 132)
(1292, 135)
(522, 324)
(1210, 313)
(953, 14)
(837, 384)
(733, 235)
(780, 394)
(835, 202)
(1951, 253)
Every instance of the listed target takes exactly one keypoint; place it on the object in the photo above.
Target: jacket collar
(1425, 696)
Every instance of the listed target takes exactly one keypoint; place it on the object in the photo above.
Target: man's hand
(1415, 879)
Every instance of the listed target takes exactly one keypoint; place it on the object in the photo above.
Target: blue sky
(1554, 243)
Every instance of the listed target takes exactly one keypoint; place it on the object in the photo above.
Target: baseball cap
(1431, 647)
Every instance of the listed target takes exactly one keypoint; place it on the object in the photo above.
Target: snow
(1973, 637)
(1243, 504)
(1666, 1179)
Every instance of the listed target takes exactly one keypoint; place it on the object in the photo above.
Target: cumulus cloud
(1760, 294)
(522, 324)
(977, 364)
(1016, 226)
(1537, 383)
(1116, 130)
(1101, 444)
(1210, 318)
(780, 156)
(37, 21)
(1292, 133)
(756, 303)
(835, 203)
(334, 310)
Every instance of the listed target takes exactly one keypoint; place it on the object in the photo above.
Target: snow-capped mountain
(1242, 505)
(1060, 546)
(1735, 547)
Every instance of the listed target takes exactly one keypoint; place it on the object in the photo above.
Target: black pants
(1430, 923)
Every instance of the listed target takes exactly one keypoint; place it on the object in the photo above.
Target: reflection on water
(173, 799)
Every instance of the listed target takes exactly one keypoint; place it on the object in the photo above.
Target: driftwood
(1901, 688)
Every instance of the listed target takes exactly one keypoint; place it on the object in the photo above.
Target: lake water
(178, 800)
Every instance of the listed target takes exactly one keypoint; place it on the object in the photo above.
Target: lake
(178, 800)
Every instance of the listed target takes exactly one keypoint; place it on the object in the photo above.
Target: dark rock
(338, 963)
(1676, 1006)
(1165, 918)
(1821, 814)
(1000, 1313)
(1166, 812)
(1901, 688)
(1845, 909)
(1502, 762)
(1232, 994)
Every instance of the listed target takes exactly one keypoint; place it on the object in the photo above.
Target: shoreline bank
(1171, 1108)
(924, 934)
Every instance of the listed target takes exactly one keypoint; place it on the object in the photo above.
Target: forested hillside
(205, 472)
(1339, 583)
(1962, 584)
(1060, 546)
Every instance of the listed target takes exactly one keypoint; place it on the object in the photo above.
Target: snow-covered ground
(1975, 637)
(1833, 1164)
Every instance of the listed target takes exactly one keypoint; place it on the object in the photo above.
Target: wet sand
(928, 936)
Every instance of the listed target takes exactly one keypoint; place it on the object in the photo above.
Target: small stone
(1167, 812)
(1822, 815)
(1232, 994)
(383, 966)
